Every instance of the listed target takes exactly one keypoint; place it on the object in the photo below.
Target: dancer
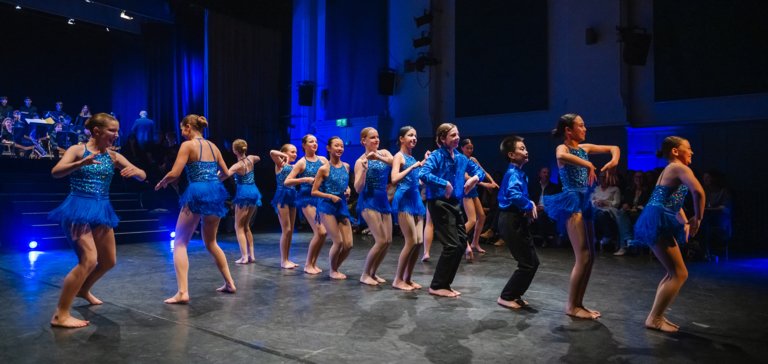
(409, 207)
(662, 225)
(87, 215)
(303, 175)
(284, 201)
(444, 168)
(331, 187)
(247, 199)
(515, 214)
(203, 199)
(471, 202)
(371, 172)
(572, 206)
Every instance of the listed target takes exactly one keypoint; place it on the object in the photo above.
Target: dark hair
(99, 120)
(464, 142)
(404, 130)
(197, 122)
(566, 120)
(330, 142)
(442, 132)
(667, 145)
(508, 145)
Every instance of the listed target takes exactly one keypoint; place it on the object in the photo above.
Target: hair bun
(202, 121)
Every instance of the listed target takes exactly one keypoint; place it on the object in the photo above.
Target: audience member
(605, 201)
(6, 109)
(28, 111)
(80, 119)
(716, 227)
(543, 228)
(144, 130)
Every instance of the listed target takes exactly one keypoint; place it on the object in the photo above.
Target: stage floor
(288, 316)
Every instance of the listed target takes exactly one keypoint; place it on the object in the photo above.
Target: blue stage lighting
(173, 234)
(32, 244)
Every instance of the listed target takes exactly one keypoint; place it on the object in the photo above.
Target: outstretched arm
(128, 170)
(397, 161)
(181, 160)
(70, 163)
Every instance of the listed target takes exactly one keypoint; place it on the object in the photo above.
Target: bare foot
(478, 249)
(68, 322)
(337, 275)
(312, 270)
(366, 279)
(243, 260)
(508, 304)
(179, 299)
(455, 292)
(251, 259)
(581, 313)
(425, 258)
(288, 265)
(442, 292)
(88, 296)
(670, 323)
(402, 285)
(227, 288)
(379, 279)
(660, 325)
(414, 284)
(593, 312)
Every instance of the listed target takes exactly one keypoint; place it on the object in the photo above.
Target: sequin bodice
(202, 171)
(93, 179)
(310, 168)
(244, 179)
(336, 182)
(376, 176)
(575, 177)
(411, 180)
(670, 198)
(283, 175)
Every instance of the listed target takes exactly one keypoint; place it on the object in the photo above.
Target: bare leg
(335, 254)
(672, 260)
(185, 227)
(287, 216)
(241, 223)
(316, 244)
(249, 234)
(73, 282)
(582, 265)
(376, 225)
(414, 255)
(345, 228)
(387, 225)
(210, 229)
(590, 239)
(408, 226)
(479, 226)
(429, 234)
(104, 239)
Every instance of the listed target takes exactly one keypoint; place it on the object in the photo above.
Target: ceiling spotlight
(71, 21)
(125, 16)
(88, 1)
(18, 7)
(107, 28)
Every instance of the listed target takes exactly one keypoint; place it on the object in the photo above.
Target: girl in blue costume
(471, 202)
(284, 201)
(409, 207)
(247, 199)
(204, 199)
(662, 225)
(86, 214)
(371, 174)
(303, 175)
(571, 208)
(331, 187)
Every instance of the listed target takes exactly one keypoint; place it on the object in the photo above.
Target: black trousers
(514, 229)
(449, 231)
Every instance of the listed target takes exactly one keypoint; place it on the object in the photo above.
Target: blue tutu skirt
(409, 202)
(304, 197)
(284, 197)
(247, 195)
(338, 210)
(561, 206)
(374, 200)
(657, 222)
(83, 208)
(205, 198)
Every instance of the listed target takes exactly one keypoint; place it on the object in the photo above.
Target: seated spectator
(23, 143)
(605, 201)
(543, 228)
(716, 227)
(80, 119)
(635, 197)
(6, 110)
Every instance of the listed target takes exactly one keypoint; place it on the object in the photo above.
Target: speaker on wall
(637, 43)
(306, 93)
(387, 82)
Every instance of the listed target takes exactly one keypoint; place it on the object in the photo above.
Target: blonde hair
(197, 122)
(286, 146)
(442, 132)
(365, 131)
(240, 146)
(100, 120)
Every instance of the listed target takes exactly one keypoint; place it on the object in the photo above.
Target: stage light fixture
(71, 21)
(173, 234)
(18, 7)
(424, 41)
(32, 244)
(88, 1)
(125, 16)
(107, 29)
(424, 19)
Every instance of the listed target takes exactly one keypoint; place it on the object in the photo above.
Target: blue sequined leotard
(247, 193)
(335, 184)
(575, 195)
(205, 194)
(304, 196)
(284, 195)
(659, 217)
(407, 197)
(88, 200)
(374, 194)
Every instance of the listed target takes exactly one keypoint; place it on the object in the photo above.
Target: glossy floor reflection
(287, 316)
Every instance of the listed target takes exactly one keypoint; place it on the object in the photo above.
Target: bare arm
(322, 174)
(128, 170)
(397, 161)
(361, 167)
(236, 168)
(565, 157)
(70, 162)
(181, 160)
(603, 149)
(280, 159)
(384, 156)
(699, 199)
(493, 183)
(298, 168)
